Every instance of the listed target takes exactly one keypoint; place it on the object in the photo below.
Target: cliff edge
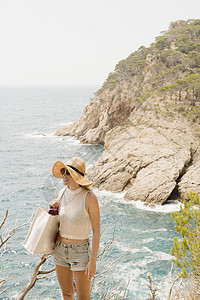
(147, 115)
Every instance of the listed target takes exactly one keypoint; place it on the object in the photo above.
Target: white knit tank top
(74, 219)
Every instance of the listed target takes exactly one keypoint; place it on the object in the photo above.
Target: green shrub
(186, 250)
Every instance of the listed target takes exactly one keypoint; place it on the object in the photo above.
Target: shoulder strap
(61, 193)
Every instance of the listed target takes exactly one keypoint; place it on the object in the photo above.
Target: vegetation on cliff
(169, 67)
(163, 78)
(174, 55)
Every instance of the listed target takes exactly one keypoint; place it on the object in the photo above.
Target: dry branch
(4, 220)
(35, 276)
(3, 241)
(171, 288)
(11, 232)
(120, 257)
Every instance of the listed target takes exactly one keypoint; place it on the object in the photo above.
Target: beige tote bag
(42, 233)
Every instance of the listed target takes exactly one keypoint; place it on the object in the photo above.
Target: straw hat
(76, 168)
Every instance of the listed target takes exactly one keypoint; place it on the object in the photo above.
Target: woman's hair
(86, 187)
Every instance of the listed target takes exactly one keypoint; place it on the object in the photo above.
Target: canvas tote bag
(43, 232)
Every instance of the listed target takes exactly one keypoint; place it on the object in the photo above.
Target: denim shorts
(75, 256)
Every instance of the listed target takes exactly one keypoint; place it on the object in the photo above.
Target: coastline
(167, 208)
(147, 117)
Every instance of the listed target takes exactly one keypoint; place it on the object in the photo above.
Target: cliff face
(104, 112)
(147, 116)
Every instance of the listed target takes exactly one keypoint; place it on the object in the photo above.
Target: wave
(151, 230)
(40, 135)
(138, 279)
(65, 124)
(110, 194)
(51, 135)
(171, 205)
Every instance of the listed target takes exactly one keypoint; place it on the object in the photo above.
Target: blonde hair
(86, 187)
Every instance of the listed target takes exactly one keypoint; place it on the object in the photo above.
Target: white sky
(69, 42)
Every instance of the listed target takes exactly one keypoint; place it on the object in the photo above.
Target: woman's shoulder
(91, 197)
(91, 203)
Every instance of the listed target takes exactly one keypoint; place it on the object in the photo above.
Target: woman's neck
(73, 187)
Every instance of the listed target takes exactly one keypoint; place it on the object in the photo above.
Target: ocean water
(29, 117)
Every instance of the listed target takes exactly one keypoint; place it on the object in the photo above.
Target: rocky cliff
(147, 115)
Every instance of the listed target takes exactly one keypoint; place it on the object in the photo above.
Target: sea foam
(171, 205)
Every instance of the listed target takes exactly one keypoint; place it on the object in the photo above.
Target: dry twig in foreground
(3, 241)
(35, 276)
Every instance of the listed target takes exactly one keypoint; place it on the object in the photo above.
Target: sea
(135, 240)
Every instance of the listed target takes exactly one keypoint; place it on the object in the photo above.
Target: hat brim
(75, 175)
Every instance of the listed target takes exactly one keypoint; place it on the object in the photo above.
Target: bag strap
(58, 199)
(61, 194)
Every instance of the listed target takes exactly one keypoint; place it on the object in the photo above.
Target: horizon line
(50, 85)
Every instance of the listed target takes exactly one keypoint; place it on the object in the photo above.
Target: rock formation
(149, 123)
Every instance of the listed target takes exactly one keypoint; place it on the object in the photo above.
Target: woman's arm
(92, 206)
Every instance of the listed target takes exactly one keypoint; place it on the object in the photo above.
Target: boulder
(144, 162)
(190, 181)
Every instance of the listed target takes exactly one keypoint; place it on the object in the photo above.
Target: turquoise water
(26, 183)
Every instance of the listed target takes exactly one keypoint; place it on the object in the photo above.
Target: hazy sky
(65, 42)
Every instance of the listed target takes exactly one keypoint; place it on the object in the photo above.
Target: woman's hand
(90, 270)
(53, 203)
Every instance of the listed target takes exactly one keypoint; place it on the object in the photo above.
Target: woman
(78, 212)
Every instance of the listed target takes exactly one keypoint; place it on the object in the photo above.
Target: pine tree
(186, 249)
